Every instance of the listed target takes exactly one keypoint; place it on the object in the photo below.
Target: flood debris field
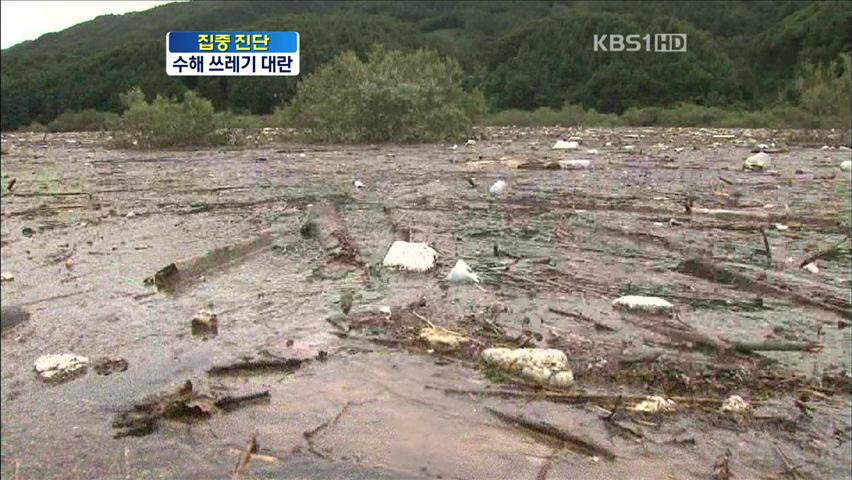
(234, 318)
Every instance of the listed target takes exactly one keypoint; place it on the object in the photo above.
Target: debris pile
(62, 367)
(413, 257)
(538, 365)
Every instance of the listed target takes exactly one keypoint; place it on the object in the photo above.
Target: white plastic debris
(811, 267)
(592, 151)
(358, 184)
(454, 147)
(6, 277)
(628, 147)
(414, 257)
(545, 366)
(655, 404)
(758, 161)
(498, 188)
(470, 142)
(130, 215)
(781, 227)
(846, 165)
(762, 146)
(735, 404)
(461, 273)
(574, 164)
(565, 145)
(678, 149)
(61, 367)
(442, 339)
(642, 304)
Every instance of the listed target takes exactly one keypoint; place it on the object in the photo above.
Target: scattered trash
(358, 184)
(846, 165)
(811, 267)
(130, 215)
(498, 188)
(544, 366)
(6, 277)
(781, 227)
(678, 149)
(454, 147)
(415, 257)
(592, 151)
(461, 272)
(470, 142)
(59, 368)
(574, 164)
(638, 303)
(762, 146)
(565, 145)
(735, 404)
(441, 339)
(11, 316)
(109, 365)
(655, 404)
(758, 161)
(205, 322)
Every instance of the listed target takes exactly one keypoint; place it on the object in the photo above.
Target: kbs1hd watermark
(232, 53)
(658, 42)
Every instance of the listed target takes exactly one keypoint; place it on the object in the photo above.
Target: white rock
(846, 165)
(461, 272)
(565, 145)
(414, 257)
(639, 303)
(811, 267)
(6, 277)
(498, 188)
(734, 403)
(758, 161)
(574, 164)
(655, 404)
(545, 366)
(60, 367)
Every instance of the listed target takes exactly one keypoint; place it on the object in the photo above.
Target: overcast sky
(28, 20)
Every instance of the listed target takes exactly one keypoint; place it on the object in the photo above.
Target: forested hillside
(522, 55)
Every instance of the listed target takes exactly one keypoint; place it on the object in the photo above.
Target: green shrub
(166, 122)
(392, 97)
(826, 92)
(35, 127)
(568, 116)
(83, 121)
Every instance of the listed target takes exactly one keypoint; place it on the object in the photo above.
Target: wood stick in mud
(584, 446)
(231, 402)
(778, 346)
(767, 249)
(251, 448)
(580, 316)
(823, 253)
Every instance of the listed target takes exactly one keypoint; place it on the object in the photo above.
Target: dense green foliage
(166, 122)
(522, 55)
(82, 121)
(391, 96)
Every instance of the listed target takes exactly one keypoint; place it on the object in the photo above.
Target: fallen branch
(253, 366)
(810, 347)
(585, 446)
(231, 402)
(823, 253)
(255, 456)
(580, 316)
(251, 448)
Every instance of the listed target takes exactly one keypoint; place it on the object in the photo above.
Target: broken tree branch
(823, 253)
(767, 249)
(251, 448)
(585, 446)
(580, 316)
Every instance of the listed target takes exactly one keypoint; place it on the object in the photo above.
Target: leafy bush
(35, 127)
(567, 116)
(166, 122)
(826, 92)
(83, 121)
(393, 96)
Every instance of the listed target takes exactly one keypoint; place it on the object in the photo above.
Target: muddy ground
(84, 226)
